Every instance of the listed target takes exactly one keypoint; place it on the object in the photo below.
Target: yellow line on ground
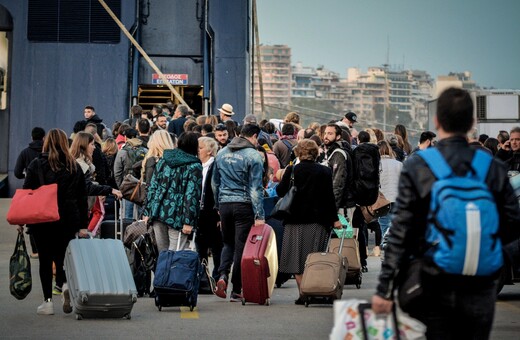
(186, 314)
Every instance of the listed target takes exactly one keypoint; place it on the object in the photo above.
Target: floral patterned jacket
(173, 196)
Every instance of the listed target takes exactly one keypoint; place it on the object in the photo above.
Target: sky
(437, 36)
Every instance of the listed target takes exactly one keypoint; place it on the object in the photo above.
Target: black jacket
(314, 201)
(208, 216)
(100, 162)
(26, 157)
(511, 159)
(407, 235)
(72, 198)
(99, 124)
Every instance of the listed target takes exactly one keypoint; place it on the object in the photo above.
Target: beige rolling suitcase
(350, 252)
(323, 277)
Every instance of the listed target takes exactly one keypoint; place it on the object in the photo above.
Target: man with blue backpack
(455, 209)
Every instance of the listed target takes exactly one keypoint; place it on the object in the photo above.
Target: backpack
(463, 218)
(366, 162)
(135, 154)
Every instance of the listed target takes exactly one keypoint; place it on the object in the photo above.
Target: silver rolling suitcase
(99, 279)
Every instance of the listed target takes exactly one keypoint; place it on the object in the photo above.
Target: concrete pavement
(214, 318)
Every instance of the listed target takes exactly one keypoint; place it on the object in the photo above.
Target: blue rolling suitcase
(177, 278)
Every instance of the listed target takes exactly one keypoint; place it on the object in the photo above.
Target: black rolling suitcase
(115, 228)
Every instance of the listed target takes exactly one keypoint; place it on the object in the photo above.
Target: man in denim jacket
(238, 190)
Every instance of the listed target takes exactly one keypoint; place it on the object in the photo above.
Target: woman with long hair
(82, 149)
(400, 130)
(58, 166)
(160, 140)
(388, 180)
(109, 149)
(212, 120)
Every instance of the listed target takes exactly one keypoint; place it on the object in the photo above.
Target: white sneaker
(46, 308)
(65, 297)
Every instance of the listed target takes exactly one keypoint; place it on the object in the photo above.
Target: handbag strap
(291, 181)
(136, 189)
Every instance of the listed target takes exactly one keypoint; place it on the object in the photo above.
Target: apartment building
(275, 63)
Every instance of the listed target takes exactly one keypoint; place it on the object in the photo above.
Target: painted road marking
(186, 314)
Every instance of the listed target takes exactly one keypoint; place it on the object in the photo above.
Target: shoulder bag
(376, 210)
(282, 208)
(133, 189)
(35, 206)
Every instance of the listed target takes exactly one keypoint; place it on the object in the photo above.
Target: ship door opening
(150, 95)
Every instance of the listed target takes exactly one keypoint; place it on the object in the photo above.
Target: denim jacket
(237, 177)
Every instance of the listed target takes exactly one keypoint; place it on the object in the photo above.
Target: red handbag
(34, 206)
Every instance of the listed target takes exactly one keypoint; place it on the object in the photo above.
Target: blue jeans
(129, 209)
(385, 222)
(236, 220)
(462, 311)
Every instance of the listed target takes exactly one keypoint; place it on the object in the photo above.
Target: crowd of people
(210, 174)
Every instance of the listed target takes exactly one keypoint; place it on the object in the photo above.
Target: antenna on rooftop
(387, 50)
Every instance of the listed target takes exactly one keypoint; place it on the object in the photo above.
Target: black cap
(351, 116)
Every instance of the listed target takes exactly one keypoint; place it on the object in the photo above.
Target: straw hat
(226, 109)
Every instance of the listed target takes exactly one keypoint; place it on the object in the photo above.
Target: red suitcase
(259, 265)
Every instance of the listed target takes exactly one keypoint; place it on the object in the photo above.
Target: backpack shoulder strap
(338, 150)
(288, 144)
(481, 163)
(436, 162)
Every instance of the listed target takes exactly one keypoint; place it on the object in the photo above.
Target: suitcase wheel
(267, 302)
(79, 317)
(243, 302)
(159, 307)
(191, 308)
(306, 302)
(128, 316)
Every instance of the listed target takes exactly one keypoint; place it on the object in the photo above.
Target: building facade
(275, 63)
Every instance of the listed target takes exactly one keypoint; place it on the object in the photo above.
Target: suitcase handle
(90, 235)
(341, 242)
(192, 243)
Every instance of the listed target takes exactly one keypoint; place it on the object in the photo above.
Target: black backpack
(366, 162)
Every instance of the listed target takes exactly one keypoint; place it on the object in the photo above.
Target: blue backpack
(463, 219)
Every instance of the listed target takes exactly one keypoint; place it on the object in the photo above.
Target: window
(75, 21)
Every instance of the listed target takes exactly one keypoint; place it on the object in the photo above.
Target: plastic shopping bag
(348, 323)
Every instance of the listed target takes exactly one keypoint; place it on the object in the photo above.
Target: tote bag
(34, 206)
